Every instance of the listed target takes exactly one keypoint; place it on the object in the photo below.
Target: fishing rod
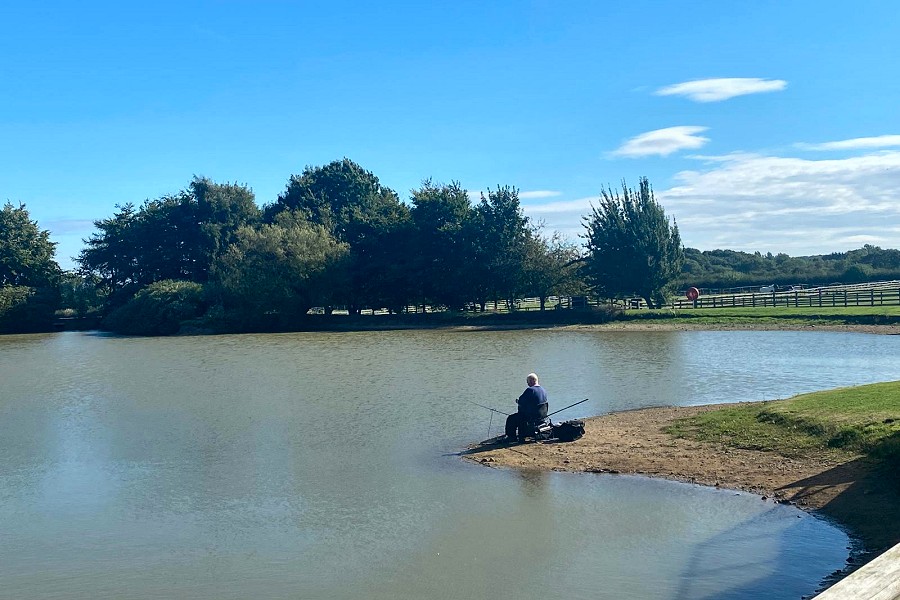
(567, 407)
(489, 408)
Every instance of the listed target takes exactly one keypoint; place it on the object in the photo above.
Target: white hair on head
(532, 379)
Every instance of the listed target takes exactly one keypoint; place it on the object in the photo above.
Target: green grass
(852, 421)
(784, 315)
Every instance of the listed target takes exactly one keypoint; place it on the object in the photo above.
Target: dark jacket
(531, 399)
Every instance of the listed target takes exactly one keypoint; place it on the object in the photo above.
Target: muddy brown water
(324, 466)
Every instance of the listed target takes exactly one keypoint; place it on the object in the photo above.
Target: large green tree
(111, 254)
(551, 267)
(29, 275)
(285, 267)
(381, 261)
(160, 240)
(500, 237)
(442, 215)
(221, 210)
(176, 237)
(26, 252)
(353, 206)
(632, 249)
(341, 196)
(169, 240)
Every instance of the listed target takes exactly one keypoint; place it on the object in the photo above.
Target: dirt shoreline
(847, 492)
(663, 325)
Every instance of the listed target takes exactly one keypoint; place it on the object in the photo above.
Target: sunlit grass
(855, 420)
(785, 315)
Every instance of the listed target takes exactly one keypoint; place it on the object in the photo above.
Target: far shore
(877, 320)
(336, 324)
(847, 492)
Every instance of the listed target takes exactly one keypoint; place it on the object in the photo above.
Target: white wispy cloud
(475, 196)
(564, 216)
(538, 194)
(784, 204)
(862, 143)
(723, 88)
(755, 202)
(64, 226)
(767, 203)
(580, 206)
(663, 142)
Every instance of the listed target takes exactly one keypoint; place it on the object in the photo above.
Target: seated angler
(533, 407)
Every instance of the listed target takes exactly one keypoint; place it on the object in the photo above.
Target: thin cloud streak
(863, 143)
(564, 206)
(564, 216)
(663, 142)
(538, 194)
(65, 226)
(724, 88)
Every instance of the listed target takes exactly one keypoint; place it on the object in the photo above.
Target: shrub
(158, 309)
(26, 309)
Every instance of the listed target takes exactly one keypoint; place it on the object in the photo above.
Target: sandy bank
(663, 325)
(848, 491)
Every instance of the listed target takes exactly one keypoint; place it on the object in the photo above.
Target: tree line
(336, 237)
(722, 269)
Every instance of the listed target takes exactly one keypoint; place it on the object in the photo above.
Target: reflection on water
(321, 466)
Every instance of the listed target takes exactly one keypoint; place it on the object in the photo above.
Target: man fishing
(533, 407)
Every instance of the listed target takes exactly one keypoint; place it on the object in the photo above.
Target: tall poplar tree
(632, 249)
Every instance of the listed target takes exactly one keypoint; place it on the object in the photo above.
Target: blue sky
(769, 126)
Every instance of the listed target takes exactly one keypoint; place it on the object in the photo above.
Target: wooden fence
(882, 293)
(871, 294)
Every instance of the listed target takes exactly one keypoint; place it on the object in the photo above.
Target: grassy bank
(863, 420)
(857, 427)
(781, 315)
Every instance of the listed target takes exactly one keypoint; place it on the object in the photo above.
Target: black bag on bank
(568, 431)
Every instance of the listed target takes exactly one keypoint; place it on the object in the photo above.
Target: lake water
(323, 466)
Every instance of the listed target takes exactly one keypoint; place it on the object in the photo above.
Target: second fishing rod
(507, 414)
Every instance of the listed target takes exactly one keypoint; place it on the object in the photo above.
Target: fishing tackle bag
(568, 431)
